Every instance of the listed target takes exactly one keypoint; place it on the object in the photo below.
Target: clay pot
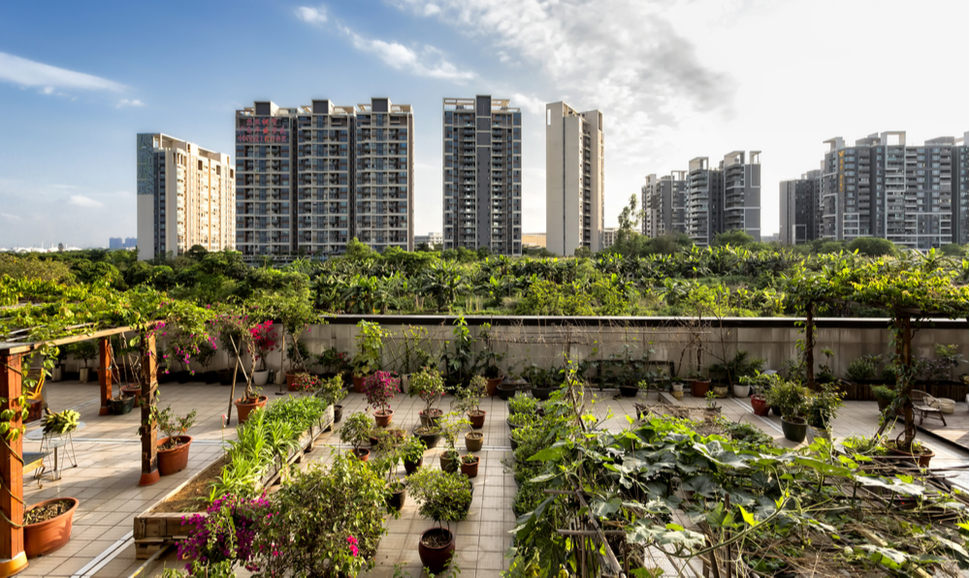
(447, 464)
(700, 387)
(359, 383)
(363, 454)
(243, 407)
(923, 460)
(491, 385)
(470, 470)
(411, 467)
(433, 420)
(173, 461)
(759, 405)
(477, 419)
(47, 536)
(383, 418)
(436, 559)
(474, 444)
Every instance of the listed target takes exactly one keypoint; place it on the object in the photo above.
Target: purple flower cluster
(225, 532)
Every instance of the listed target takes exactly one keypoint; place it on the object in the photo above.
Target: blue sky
(674, 79)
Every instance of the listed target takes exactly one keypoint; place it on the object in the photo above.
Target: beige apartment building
(574, 179)
(186, 197)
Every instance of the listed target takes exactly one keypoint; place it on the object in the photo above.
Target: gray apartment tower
(800, 216)
(724, 199)
(664, 203)
(482, 175)
(914, 196)
(311, 178)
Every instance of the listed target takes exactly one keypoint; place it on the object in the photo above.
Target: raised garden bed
(161, 523)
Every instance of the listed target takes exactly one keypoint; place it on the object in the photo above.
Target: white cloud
(529, 103)
(82, 201)
(30, 73)
(126, 102)
(10, 217)
(429, 62)
(431, 9)
(315, 16)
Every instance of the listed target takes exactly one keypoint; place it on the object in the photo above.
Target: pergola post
(12, 557)
(149, 430)
(105, 376)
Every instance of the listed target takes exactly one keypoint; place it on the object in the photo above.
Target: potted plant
(429, 385)
(884, 396)
(60, 423)
(467, 401)
(122, 404)
(47, 525)
(85, 351)
(677, 389)
(389, 448)
(233, 325)
(451, 426)
(264, 340)
(522, 403)
(331, 390)
(919, 453)
(380, 388)
(757, 385)
(445, 498)
(370, 345)
(487, 360)
(173, 449)
(791, 398)
(650, 385)
(412, 453)
(699, 384)
(469, 465)
(357, 432)
(506, 389)
(542, 381)
(822, 407)
(204, 357)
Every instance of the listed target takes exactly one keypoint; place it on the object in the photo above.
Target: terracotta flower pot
(359, 383)
(923, 460)
(473, 441)
(700, 387)
(383, 418)
(363, 454)
(174, 460)
(470, 470)
(491, 385)
(47, 536)
(244, 407)
(759, 405)
(436, 558)
(477, 419)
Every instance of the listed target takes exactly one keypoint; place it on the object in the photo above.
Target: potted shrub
(47, 525)
(863, 368)
(758, 385)
(884, 396)
(429, 385)
(699, 385)
(389, 447)
(542, 381)
(173, 449)
(522, 403)
(370, 345)
(412, 453)
(60, 423)
(85, 351)
(487, 361)
(468, 399)
(451, 426)
(331, 390)
(264, 340)
(791, 398)
(357, 432)
(919, 453)
(445, 498)
(731, 371)
(469, 465)
(122, 404)
(380, 388)
(822, 407)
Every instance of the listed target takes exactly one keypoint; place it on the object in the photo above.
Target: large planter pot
(173, 461)
(505, 391)
(411, 467)
(473, 441)
(447, 464)
(700, 387)
(359, 383)
(429, 440)
(244, 407)
(47, 536)
(395, 501)
(84, 374)
(436, 548)
(225, 377)
(433, 420)
(795, 432)
(741, 391)
(363, 454)
(58, 373)
(477, 417)
(122, 405)
(629, 390)
(383, 417)
(470, 470)
(491, 385)
(131, 390)
(261, 378)
(759, 405)
(338, 413)
(543, 393)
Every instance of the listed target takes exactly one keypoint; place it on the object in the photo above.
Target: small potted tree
(357, 432)
(445, 498)
(173, 449)
(389, 447)
(451, 426)
(234, 327)
(380, 388)
(370, 346)
(412, 452)
(791, 398)
(429, 385)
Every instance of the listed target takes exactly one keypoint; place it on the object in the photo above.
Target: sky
(674, 79)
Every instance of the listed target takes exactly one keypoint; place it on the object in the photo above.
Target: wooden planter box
(155, 530)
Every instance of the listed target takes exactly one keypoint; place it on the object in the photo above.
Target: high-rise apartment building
(914, 196)
(704, 190)
(482, 175)
(664, 203)
(186, 197)
(800, 208)
(312, 178)
(724, 199)
(574, 179)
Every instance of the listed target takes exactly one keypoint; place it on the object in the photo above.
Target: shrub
(861, 369)
(442, 496)
(380, 388)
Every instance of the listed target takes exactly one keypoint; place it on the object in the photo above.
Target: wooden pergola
(12, 557)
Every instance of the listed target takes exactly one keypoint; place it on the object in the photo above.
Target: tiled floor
(109, 468)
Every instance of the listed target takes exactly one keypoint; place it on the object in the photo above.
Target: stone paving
(109, 467)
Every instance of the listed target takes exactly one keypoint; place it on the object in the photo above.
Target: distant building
(431, 239)
(609, 238)
(482, 175)
(664, 202)
(115, 243)
(186, 197)
(799, 205)
(574, 179)
(914, 196)
(534, 240)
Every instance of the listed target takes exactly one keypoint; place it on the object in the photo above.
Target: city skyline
(83, 80)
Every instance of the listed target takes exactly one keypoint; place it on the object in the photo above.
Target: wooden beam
(105, 376)
(15, 348)
(12, 556)
(148, 399)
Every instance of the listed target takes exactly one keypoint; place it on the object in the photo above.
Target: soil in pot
(794, 431)
(473, 441)
(363, 454)
(47, 526)
(470, 468)
(245, 406)
(477, 417)
(383, 418)
(436, 548)
(411, 467)
(173, 455)
(629, 390)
